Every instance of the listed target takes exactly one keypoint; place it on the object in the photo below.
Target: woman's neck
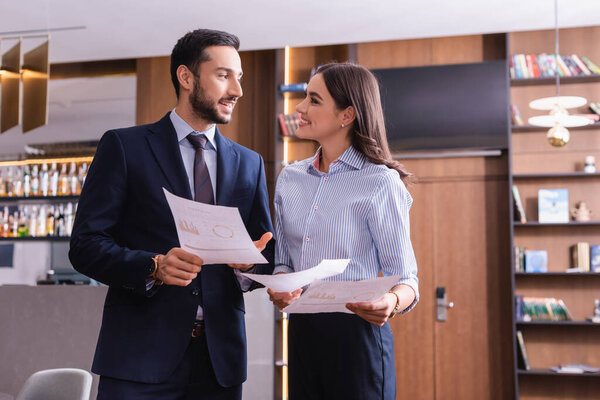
(331, 151)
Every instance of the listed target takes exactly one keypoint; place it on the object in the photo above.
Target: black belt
(198, 329)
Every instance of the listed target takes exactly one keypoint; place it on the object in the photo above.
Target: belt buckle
(198, 329)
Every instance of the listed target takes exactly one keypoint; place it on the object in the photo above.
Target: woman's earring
(342, 125)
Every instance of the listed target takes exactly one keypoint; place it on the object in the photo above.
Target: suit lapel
(165, 147)
(228, 162)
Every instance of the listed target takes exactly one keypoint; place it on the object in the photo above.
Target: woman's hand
(375, 312)
(283, 299)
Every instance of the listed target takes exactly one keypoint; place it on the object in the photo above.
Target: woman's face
(319, 117)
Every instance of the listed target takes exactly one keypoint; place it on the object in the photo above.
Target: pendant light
(558, 119)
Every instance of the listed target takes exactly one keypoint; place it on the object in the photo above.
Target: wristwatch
(397, 308)
(154, 271)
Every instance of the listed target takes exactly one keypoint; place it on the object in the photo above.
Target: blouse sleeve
(390, 228)
(283, 261)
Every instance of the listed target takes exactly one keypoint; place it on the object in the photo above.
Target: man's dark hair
(189, 50)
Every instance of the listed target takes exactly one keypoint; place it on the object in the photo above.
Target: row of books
(553, 206)
(584, 258)
(525, 66)
(541, 309)
(288, 123)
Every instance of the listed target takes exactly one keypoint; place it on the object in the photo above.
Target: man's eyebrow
(230, 70)
(315, 94)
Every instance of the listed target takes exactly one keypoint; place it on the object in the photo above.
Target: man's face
(217, 85)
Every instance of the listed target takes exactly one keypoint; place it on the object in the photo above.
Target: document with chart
(217, 234)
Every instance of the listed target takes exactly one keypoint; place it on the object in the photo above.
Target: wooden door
(460, 236)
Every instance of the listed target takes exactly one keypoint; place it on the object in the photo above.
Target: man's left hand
(260, 245)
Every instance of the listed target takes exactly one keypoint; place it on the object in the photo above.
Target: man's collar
(183, 129)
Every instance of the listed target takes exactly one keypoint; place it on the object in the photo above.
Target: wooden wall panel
(155, 93)
(551, 388)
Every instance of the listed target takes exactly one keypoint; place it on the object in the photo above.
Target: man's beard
(204, 106)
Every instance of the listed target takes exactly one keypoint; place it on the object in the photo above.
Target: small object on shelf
(553, 206)
(596, 317)
(294, 87)
(581, 212)
(590, 165)
(536, 261)
(518, 205)
(595, 107)
(580, 256)
(523, 360)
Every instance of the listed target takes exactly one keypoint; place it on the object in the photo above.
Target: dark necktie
(203, 191)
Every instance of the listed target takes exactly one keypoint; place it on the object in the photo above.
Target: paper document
(324, 296)
(294, 280)
(215, 233)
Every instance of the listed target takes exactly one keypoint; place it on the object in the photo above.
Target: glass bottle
(9, 182)
(63, 178)
(26, 181)
(4, 227)
(69, 219)
(54, 180)
(82, 174)
(50, 222)
(75, 189)
(40, 230)
(35, 180)
(2, 185)
(32, 221)
(22, 227)
(43, 182)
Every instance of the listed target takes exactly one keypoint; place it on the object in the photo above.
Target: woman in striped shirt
(347, 201)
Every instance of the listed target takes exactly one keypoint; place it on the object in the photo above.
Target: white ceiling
(141, 28)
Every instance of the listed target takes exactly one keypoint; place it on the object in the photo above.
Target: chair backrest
(57, 384)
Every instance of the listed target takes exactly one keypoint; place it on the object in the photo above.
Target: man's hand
(375, 312)
(283, 299)
(178, 267)
(260, 245)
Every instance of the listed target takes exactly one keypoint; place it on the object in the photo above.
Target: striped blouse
(358, 210)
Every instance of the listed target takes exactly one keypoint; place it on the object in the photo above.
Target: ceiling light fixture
(558, 119)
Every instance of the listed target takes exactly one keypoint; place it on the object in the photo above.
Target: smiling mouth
(303, 122)
(228, 104)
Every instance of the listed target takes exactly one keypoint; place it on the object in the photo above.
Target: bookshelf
(534, 165)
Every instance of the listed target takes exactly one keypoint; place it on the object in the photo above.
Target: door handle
(441, 304)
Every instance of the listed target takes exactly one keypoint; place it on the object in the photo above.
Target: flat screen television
(449, 107)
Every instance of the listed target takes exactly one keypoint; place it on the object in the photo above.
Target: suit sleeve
(95, 250)
(260, 222)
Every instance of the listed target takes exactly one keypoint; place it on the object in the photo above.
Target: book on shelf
(595, 107)
(536, 261)
(553, 206)
(541, 309)
(516, 115)
(575, 369)
(288, 123)
(518, 205)
(580, 256)
(595, 258)
(593, 67)
(294, 87)
(522, 359)
(519, 253)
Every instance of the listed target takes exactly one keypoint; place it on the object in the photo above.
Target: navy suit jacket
(123, 219)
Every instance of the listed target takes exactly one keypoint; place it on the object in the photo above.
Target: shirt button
(196, 292)
(308, 238)
(316, 207)
(325, 178)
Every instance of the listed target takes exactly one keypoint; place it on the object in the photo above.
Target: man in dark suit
(172, 328)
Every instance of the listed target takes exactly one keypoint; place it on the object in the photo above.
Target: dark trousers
(194, 379)
(340, 356)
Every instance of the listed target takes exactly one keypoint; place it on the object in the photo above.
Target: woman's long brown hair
(353, 85)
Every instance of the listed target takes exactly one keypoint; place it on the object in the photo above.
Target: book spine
(293, 87)
(284, 130)
(581, 64)
(562, 67)
(591, 65)
(518, 205)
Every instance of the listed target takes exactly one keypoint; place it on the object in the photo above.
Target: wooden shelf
(543, 372)
(39, 199)
(572, 223)
(575, 174)
(556, 323)
(565, 80)
(561, 274)
(36, 239)
(531, 128)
